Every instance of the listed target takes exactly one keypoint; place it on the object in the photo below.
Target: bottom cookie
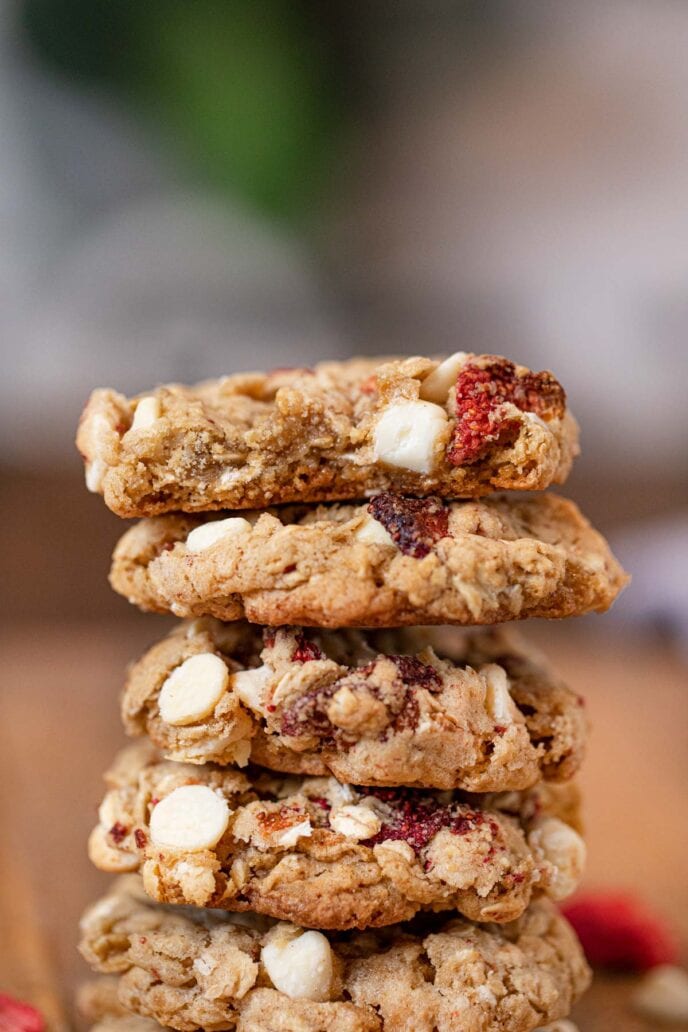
(199, 969)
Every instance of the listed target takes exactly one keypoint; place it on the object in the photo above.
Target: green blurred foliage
(248, 91)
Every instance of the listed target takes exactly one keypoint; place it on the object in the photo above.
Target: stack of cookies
(348, 808)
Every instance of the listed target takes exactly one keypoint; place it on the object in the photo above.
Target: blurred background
(191, 189)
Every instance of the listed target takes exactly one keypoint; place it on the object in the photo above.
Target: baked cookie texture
(392, 562)
(459, 428)
(426, 707)
(191, 969)
(99, 1005)
(327, 855)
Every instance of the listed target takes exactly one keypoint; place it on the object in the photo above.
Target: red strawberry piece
(16, 1016)
(414, 524)
(482, 391)
(618, 931)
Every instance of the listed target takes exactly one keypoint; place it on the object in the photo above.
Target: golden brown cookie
(193, 969)
(425, 707)
(388, 563)
(329, 855)
(459, 428)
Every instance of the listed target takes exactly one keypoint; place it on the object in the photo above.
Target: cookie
(392, 562)
(459, 428)
(426, 707)
(193, 969)
(328, 855)
(99, 1005)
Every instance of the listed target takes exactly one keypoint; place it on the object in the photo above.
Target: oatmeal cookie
(191, 969)
(425, 707)
(391, 562)
(459, 428)
(329, 855)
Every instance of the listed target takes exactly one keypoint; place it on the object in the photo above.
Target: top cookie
(464, 427)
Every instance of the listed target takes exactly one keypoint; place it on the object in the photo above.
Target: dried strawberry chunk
(16, 1016)
(482, 391)
(307, 714)
(617, 931)
(414, 524)
(305, 650)
(118, 832)
(414, 672)
(417, 818)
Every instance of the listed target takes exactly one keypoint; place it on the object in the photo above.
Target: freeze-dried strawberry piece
(414, 524)
(540, 393)
(618, 931)
(417, 818)
(482, 391)
(414, 672)
(305, 650)
(16, 1016)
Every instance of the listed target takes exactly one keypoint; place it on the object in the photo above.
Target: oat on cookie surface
(436, 708)
(328, 855)
(460, 428)
(192, 969)
(391, 562)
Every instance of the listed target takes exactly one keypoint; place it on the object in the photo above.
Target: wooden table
(59, 728)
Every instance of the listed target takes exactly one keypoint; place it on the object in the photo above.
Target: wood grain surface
(59, 727)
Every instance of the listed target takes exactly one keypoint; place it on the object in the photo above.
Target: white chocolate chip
(209, 534)
(563, 848)
(299, 964)
(193, 689)
(147, 412)
(559, 1026)
(95, 471)
(290, 836)
(407, 434)
(371, 532)
(192, 817)
(100, 440)
(437, 385)
(498, 701)
(250, 687)
(355, 822)
(663, 994)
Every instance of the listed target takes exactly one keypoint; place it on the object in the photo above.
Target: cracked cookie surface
(392, 562)
(191, 969)
(462, 428)
(437, 708)
(327, 855)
